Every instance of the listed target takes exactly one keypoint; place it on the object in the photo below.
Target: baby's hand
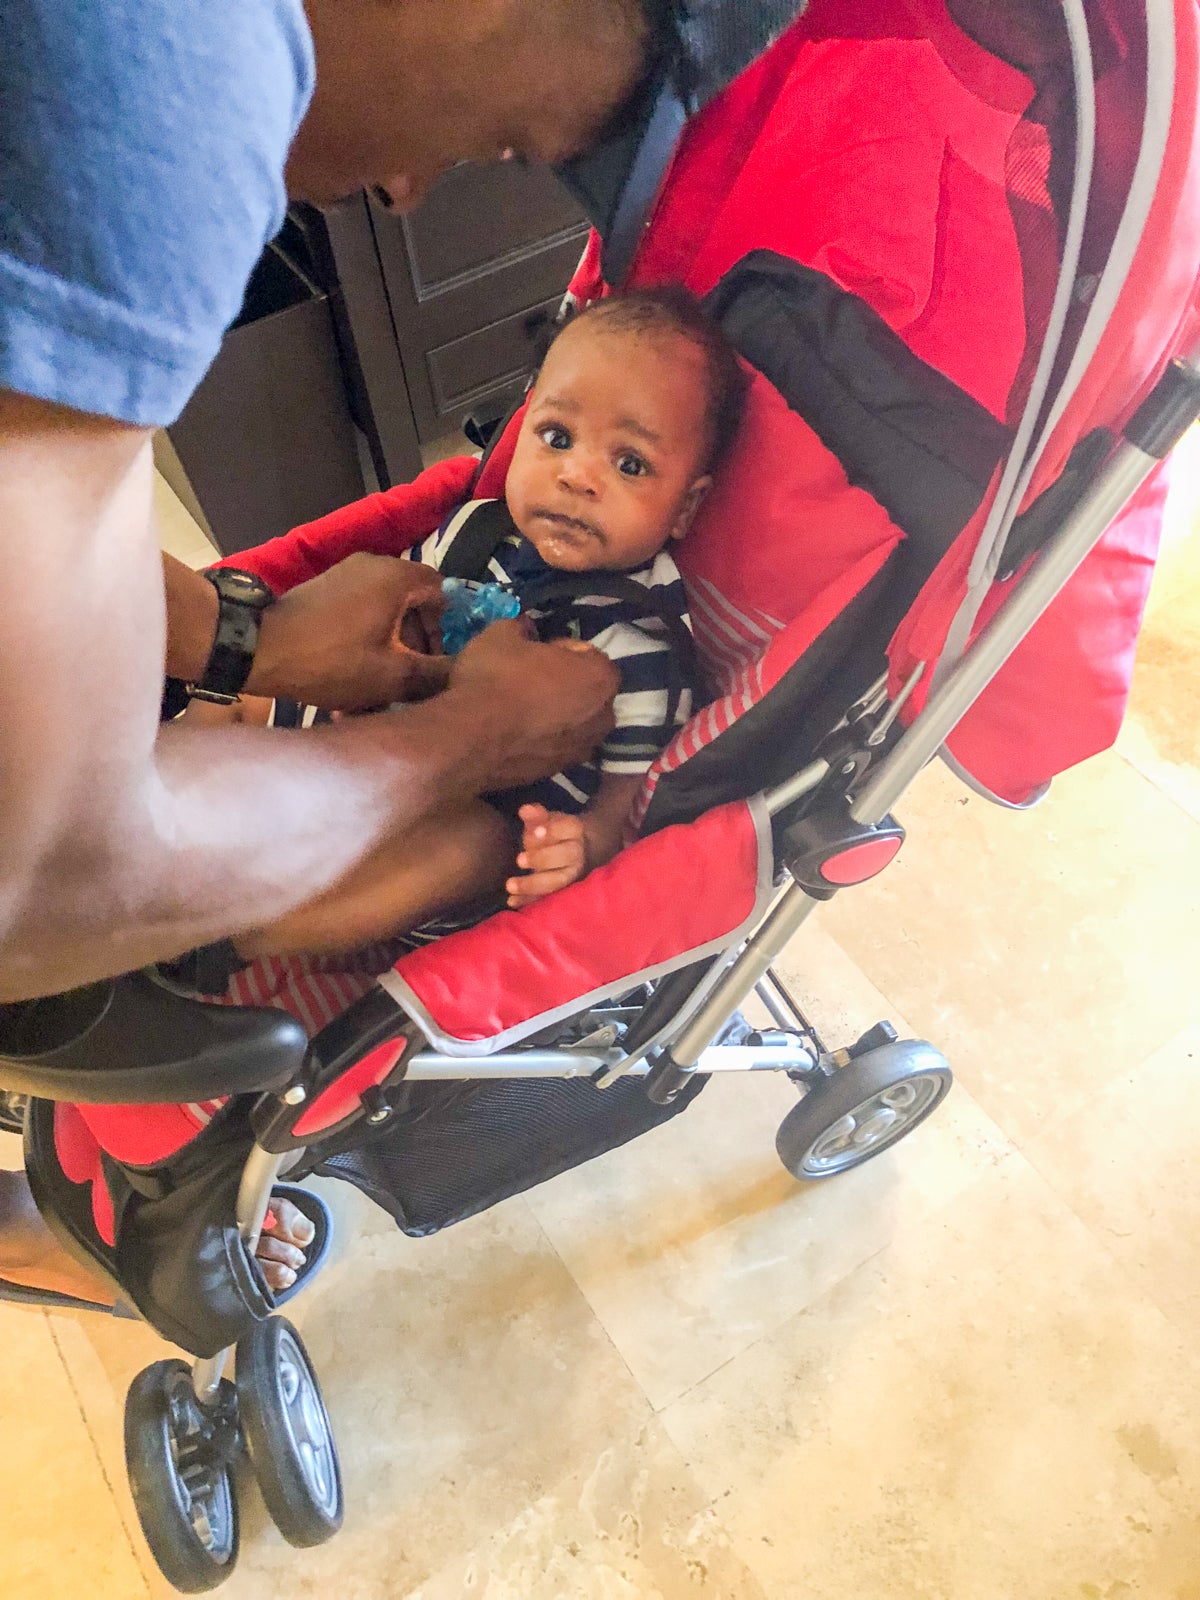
(553, 852)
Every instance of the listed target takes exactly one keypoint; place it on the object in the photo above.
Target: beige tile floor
(968, 1371)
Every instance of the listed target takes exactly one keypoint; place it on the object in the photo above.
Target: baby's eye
(631, 465)
(557, 438)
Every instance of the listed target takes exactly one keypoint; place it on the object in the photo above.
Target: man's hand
(365, 633)
(551, 704)
(553, 854)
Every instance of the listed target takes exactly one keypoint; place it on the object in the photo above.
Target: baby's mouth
(571, 528)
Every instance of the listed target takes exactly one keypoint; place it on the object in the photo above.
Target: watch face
(243, 588)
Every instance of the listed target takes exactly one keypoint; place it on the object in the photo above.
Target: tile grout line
(1155, 784)
(1019, 1141)
(1171, 1314)
(992, 1167)
(707, 1505)
(92, 1440)
(586, 1298)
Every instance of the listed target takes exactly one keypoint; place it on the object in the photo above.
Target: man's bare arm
(119, 845)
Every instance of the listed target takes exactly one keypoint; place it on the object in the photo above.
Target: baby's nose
(580, 475)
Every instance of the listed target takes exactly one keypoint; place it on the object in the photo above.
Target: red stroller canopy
(919, 156)
(908, 177)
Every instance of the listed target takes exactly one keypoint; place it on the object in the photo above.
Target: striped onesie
(636, 645)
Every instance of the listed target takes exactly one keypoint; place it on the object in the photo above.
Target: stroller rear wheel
(288, 1433)
(179, 1456)
(862, 1108)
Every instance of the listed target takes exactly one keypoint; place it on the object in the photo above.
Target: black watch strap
(242, 599)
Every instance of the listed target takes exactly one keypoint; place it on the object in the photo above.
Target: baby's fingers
(522, 891)
(533, 816)
(552, 857)
(558, 827)
(533, 824)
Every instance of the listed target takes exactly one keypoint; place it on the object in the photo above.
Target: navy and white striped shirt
(636, 645)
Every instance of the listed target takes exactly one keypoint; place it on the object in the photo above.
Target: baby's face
(607, 464)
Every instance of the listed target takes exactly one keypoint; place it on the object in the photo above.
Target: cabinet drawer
(470, 277)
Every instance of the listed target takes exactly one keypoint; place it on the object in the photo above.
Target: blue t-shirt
(142, 145)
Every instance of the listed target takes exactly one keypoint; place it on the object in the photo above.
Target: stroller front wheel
(179, 1459)
(862, 1109)
(288, 1434)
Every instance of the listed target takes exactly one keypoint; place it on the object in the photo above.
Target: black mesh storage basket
(453, 1149)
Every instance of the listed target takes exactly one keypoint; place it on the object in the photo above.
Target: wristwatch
(242, 599)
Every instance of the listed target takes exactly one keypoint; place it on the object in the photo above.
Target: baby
(637, 399)
(635, 402)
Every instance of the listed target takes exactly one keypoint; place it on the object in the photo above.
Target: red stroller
(960, 245)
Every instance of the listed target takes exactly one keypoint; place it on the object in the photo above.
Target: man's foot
(286, 1233)
(31, 1256)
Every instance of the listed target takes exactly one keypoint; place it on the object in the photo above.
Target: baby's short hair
(670, 308)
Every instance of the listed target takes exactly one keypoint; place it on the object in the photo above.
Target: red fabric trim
(644, 908)
(74, 1144)
(141, 1135)
(79, 1157)
(383, 524)
(103, 1215)
(313, 989)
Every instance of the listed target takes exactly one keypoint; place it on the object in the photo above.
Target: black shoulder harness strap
(477, 541)
(686, 669)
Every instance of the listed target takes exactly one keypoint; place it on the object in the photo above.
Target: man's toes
(285, 1255)
(289, 1223)
(279, 1262)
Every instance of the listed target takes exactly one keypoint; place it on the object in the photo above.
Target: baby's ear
(692, 502)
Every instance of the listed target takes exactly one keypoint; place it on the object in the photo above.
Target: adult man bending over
(143, 146)
(142, 159)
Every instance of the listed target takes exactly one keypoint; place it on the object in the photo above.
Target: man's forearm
(234, 828)
(192, 625)
(122, 842)
(191, 619)
(330, 641)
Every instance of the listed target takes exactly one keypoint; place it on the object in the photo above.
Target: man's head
(635, 403)
(405, 88)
